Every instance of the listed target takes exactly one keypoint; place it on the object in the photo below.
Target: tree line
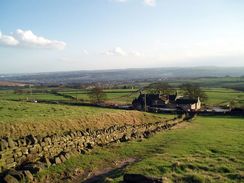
(189, 90)
(192, 91)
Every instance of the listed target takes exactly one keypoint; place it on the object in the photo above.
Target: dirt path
(100, 175)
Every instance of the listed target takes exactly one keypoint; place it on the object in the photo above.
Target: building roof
(157, 99)
(150, 96)
(186, 101)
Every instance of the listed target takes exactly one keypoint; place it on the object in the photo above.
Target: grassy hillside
(22, 118)
(210, 149)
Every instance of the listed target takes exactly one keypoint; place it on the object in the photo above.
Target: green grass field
(21, 118)
(119, 96)
(216, 96)
(213, 82)
(10, 95)
(223, 96)
(210, 149)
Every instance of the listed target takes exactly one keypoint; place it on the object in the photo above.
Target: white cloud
(116, 52)
(150, 2)
(28, 39)
(136, 54)
(8, 40)
(84, 51)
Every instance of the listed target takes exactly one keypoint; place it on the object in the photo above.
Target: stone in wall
(3, 145)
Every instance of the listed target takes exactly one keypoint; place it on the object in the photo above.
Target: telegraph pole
(30, 92)
(145, 100)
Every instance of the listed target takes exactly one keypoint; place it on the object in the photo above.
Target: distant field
(22, 118)
(223, 96)
(216, 96)
(7, 83)
(213, 82)
(210, 149)
(120, 96)
(10, 95)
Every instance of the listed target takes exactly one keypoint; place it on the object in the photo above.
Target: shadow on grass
(115, 173)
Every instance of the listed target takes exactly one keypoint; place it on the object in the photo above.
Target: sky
(65, 35)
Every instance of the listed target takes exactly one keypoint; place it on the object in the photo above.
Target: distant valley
(124, 75)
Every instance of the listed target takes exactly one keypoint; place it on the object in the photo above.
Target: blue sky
(62, 35)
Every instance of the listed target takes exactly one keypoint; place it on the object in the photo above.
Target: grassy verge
(208, 150)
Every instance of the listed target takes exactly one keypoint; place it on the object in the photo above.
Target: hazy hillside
(124, 74)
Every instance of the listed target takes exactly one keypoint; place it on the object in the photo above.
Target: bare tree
(160, 87)
(97, 95)
(232, 104)
(193, 91)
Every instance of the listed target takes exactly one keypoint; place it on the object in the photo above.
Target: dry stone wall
(30, 154)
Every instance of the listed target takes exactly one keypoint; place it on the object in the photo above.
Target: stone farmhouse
(174, 102)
